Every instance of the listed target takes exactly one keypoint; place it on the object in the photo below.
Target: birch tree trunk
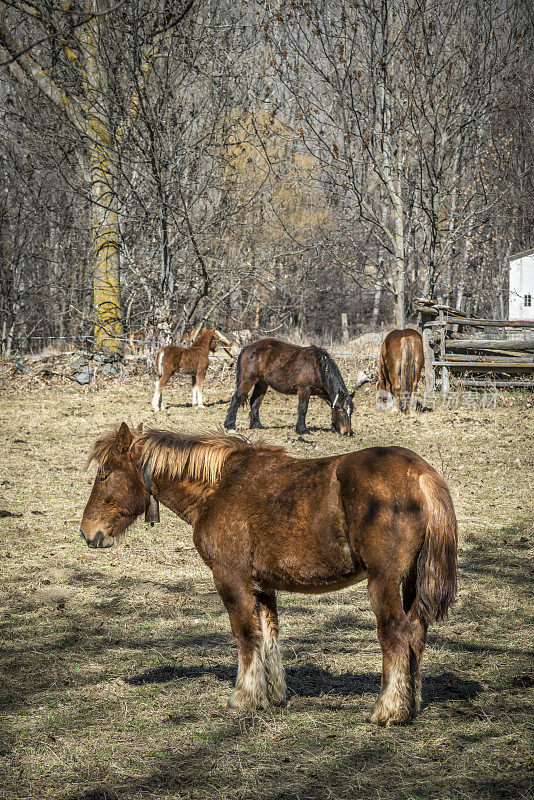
(104, 222)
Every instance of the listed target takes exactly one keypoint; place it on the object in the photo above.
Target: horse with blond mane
(264, 521)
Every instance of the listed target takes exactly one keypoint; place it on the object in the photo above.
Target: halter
(335, 400)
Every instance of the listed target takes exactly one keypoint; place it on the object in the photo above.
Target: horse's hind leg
(230, 421)
(395, 701)
(417, 640)
(255, 402)
(417, 647)
(238, 399)
(162, 381)
(243, 609)
(276, 683)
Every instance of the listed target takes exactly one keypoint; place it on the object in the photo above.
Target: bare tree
(391, 98)
(74, 67)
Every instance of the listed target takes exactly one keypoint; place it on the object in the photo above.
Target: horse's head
(119, 493)
(213, 339)
(342, 409)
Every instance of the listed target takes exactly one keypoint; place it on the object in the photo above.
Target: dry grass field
(116, 664)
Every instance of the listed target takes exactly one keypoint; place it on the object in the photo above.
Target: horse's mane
(199, 456)
(331, 374)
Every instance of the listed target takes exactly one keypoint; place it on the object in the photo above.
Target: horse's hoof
(303, 432)
(386, 717)
(231, 430)
(238, 703)
(257, 426)
(279, 702)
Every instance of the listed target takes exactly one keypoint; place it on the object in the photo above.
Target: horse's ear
(124, 438)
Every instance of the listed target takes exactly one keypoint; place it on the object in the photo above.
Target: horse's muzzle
(99, 539)
(342, 430)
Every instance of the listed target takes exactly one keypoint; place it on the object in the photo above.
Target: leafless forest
(263, 165)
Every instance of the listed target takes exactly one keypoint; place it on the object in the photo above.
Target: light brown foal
(192, 360)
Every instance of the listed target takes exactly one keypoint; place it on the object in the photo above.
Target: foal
(264, 521)
(401, 362)
(192, 360)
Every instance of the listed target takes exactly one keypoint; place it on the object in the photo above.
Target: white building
(521, 297)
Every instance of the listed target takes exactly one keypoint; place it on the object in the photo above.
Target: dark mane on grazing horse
(332, 376)
(199, 457)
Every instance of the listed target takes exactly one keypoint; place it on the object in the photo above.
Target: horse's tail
(407, 373)
(238, 368)
(437, 562)
(238, 373)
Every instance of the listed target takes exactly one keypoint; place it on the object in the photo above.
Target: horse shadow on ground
(309, 680)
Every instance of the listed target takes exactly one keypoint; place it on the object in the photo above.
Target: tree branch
(15, 56)
(28, 69)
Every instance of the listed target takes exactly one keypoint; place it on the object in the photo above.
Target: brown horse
(264, 521)
(140, 340)
(192, 360)
(290, 369)
(401, 362)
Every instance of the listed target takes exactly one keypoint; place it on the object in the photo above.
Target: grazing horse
(264, 521)
(192, 360)
(401, 362)
(290, 369)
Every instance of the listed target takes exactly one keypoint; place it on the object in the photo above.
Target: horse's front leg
(251, 689)
(304, 399)
(199, 383)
